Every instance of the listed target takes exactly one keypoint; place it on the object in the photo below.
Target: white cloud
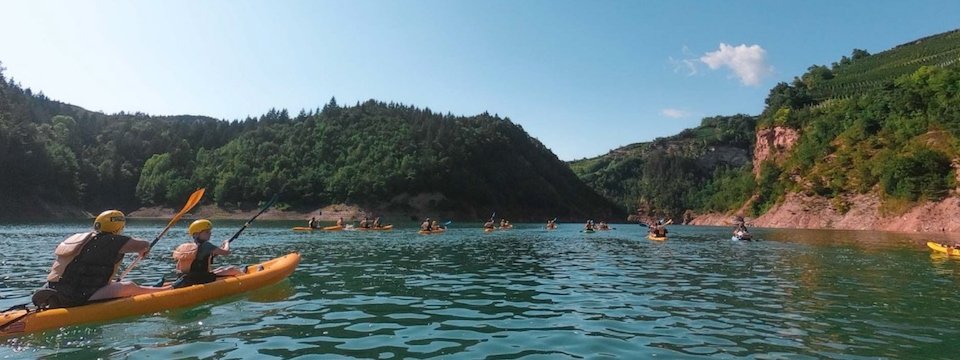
(674, 113)
(747, 62)
(688, 66)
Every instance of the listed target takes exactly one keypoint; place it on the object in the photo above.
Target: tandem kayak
(431, 232)
(382, 228)
(258, 275)
(943, 248)
(657, 238)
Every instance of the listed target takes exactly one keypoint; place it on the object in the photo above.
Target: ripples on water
(530, 293)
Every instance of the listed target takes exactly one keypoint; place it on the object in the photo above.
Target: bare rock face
(773, 144)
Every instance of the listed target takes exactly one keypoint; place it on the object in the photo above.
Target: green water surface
(527, 293)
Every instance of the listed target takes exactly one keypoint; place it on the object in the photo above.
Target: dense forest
(887, 124)
(372, 154)
(706, 168)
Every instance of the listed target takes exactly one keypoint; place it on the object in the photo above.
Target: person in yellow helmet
(194, 258)
(86, 263)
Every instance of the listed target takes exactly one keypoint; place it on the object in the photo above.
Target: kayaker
(194, 258)
(488, 224)
(364, 224)
(86, 262)
(588, 226)
(376, 223)
(741, 230)
(425, 226)
(340, 222)
(551, 224)
(313, 223)
(659, 229)
(436, 226)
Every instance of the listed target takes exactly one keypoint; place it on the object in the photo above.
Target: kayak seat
(47, 298)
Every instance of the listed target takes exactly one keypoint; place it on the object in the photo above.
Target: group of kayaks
(343, 228)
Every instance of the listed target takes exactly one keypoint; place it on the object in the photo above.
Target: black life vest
(199, 255)
(91, 268)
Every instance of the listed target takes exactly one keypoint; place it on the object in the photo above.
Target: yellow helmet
(110, 221)
(199, 226)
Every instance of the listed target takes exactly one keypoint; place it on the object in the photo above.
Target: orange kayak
(259, 275)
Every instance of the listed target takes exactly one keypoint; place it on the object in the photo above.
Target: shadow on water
(530, 292)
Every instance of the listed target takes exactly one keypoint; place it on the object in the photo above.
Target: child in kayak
(194, 258)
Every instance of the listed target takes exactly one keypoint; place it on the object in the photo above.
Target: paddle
(191, 202)
(263, 210)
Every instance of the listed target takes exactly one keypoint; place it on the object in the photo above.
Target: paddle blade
(192, 201)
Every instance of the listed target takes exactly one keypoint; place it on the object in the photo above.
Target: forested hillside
(886, 124)
(706, 168)
(372, 154)
(896, 134)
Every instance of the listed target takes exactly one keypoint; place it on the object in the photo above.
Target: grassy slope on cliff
(887, 123)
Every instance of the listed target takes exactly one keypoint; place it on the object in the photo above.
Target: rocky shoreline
(858, 212)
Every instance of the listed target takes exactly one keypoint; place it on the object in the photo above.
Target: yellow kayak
(487, 230)
(257, 276)
(943, 249)
(333, 228)
(303, 228)
(425, 232)
(382, 228)
(657, 238)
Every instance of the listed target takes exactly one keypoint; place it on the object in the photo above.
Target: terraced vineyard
(875, 71)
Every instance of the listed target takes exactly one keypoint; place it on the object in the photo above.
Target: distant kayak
(256, 276)
(303, 228)
(943, 248)
(333, 228)
(382, 228)
(588, 231)
(742, 237)
(657, 238)
(431, 232)
(488, 230)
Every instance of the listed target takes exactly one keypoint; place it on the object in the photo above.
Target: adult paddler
(86, 263)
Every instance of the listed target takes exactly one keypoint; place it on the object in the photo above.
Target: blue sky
(584, 77)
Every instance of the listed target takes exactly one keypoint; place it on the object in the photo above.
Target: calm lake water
(528, 293)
